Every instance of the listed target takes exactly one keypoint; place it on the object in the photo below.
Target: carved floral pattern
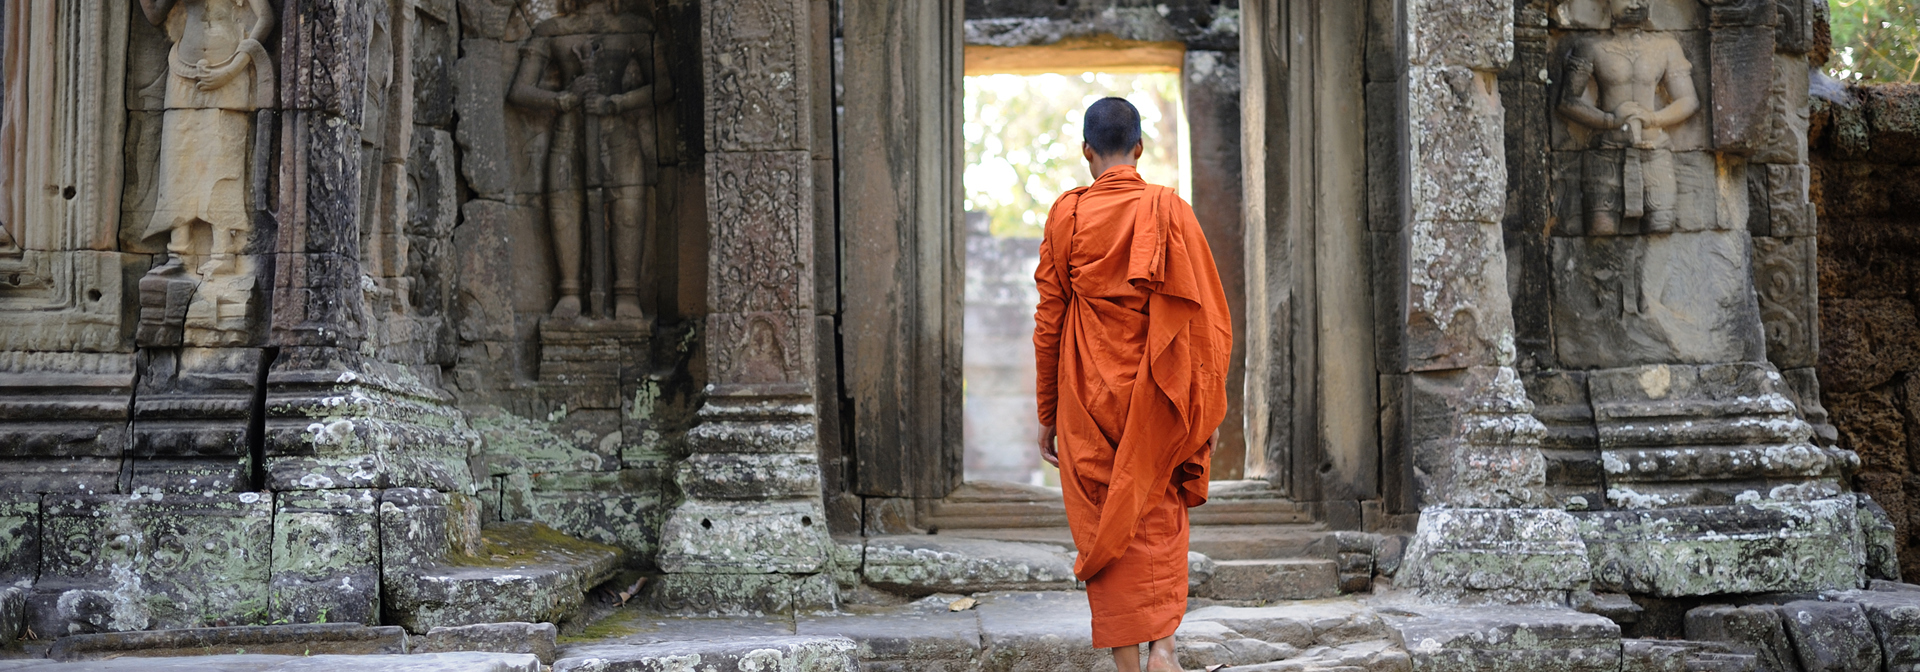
(756, 82)
(762, 231)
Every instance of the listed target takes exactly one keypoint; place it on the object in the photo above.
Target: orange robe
(1131, 340)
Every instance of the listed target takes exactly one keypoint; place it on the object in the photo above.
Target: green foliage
(1023, 140)
(1875, 40)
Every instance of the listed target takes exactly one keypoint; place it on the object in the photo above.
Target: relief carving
(761, 236)
(1614, 84)
(593, 66)
(755, 80)
(218, 73)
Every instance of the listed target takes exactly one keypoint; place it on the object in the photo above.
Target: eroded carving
(594, 68)
(218, 73)
(755, 96)
(1614, 85)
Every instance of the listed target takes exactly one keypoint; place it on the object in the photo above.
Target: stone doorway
(1277, 172)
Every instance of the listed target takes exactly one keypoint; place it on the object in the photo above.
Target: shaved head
(1112, 126)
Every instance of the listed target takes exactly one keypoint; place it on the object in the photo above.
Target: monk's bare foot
(1127, 658)
(568, 308)
(1161, 656)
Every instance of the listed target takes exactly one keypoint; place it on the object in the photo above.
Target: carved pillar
(751, 534)
(1470, 435)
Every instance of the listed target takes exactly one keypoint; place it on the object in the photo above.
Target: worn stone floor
(1000, 631)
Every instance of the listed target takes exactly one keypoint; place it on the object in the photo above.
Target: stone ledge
(1457, 639)
(924, 565)
(292, 640)
(787, 654)
(526, 573)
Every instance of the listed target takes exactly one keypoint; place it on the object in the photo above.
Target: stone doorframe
(1321, 138)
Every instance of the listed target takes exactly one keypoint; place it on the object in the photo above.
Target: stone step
(286, 640)
(990, 504)
(1271, 580)
(257, 662)
(524, 572)
(802, 654)
(1220, 542)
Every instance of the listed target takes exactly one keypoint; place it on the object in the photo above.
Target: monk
(1131, 340)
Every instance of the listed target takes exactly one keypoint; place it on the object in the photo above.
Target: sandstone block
(1301, 626)
(1895, 617)
(1507, 638)
(1831, 637)
(922, 565)
(285, 640)
(531, 638)
(1768, 546)
(1269, 580)
(1755, 630)
(788, 654)
(1497, 555)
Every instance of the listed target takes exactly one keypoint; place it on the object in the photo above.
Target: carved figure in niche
(1614, 84)
(218, 72)
(593, 66)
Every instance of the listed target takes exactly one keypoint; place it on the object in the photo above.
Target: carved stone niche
(579, 96)
(209, 138)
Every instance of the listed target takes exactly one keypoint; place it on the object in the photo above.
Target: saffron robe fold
(1132, 340)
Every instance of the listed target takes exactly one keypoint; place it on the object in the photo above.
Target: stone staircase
(1248, 544)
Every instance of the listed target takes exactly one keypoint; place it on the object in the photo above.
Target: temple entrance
(944, 193)
(1022, 145)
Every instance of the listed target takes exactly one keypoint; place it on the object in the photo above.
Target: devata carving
(1613, 86)
(218, 72)
(593, 67)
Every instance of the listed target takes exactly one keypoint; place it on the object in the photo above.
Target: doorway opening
(1022, 134)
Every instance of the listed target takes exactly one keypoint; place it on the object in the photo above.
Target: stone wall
(1866, 185)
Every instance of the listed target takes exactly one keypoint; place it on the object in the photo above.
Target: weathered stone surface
(153, 561)
(1895, 617)
(1037, 631)
(282, 640)
(795, 654)
(1199, 569)
(1755, 630)
(1784, 275)
(1479, 442)
(1684, 298)
(922, 565)
(1298, 579)
(1831, 636)
(524, 572)
(13, 614)
(1880, 538)
(1766, 546)
(531, 638)
(697, 594)
(1205, 644)
(1506, 638)
(430, 662)
(324, 569)
(1300, 625)
(739, 537)
(1373, 656)
(923, 636)
(1496, 556)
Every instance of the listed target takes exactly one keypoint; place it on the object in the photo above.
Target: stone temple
(605, 334)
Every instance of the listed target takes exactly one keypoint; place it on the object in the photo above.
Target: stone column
(1475, 442)
(1471, 436)
(751, 533)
